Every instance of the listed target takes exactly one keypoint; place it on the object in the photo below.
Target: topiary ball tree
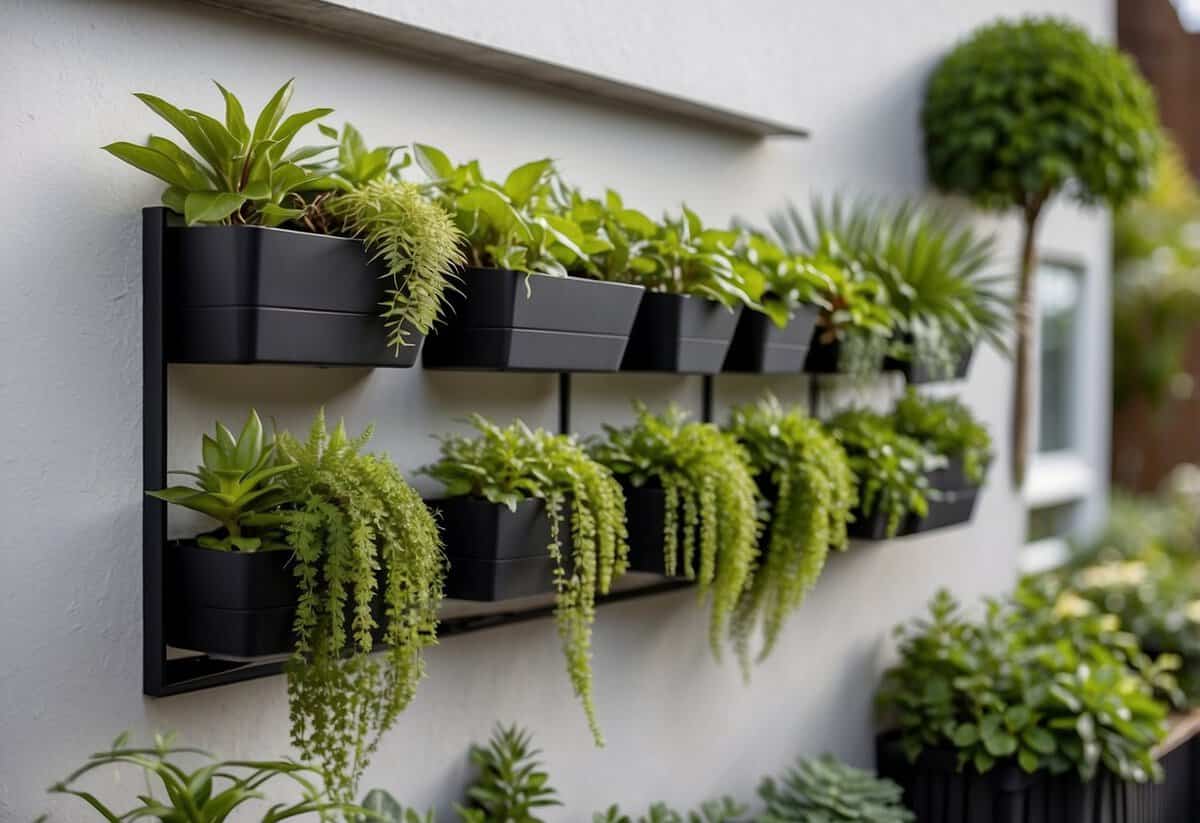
(1021, 111)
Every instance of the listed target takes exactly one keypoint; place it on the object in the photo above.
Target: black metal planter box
(500, 320)
(230, 604)
(495, 553)
(248, 294)
(680, 333)
(645, 519)
(947, 508)
(920, 373)
(761, 347)
(938, 792)
(825, 358)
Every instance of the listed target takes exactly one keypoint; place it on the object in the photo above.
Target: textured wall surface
(680, 727)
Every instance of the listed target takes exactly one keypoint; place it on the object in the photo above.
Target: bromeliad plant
(511, 785)
(946, 427)
(809, 503)
(361, 536)
(239, 486)
(825, 790)
(890, 468)
(516, 463)
(710, 498)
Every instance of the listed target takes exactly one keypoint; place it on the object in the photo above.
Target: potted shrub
(691, 506)
(694, 293)
(528, 512)
(516, 308)
(809, 492)
(265, 267)
(232, 592)
(1029, 714)
(1064, 113)
(825, 789)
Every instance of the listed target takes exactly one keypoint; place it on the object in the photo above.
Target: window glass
(1059, 299)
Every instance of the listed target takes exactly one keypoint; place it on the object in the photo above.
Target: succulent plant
(825, 790)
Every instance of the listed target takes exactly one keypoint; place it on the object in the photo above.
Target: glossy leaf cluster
(947, 427)
(825, 790)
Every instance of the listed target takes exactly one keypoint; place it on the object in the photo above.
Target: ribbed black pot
(249, 294)
(232, 604)
(938, 792)
(495, 553)
(645, 519)
(680, 333)
(761, 347)
(500, 320)
(919, 373)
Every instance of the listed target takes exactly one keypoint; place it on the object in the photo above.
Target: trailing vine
(709, 492)
(355, 517)
(516, 463)
(813, 495)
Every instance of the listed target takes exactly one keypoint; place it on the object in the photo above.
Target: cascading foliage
(710, 497)
(516, 463)
(357, 526)
(811, 495)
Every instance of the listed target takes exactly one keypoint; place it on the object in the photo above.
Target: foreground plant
(361, 535)
(948, 428)
(724, 810)
(516, 463)
(710, 498)
(811, 496)
(511, 784)
(825, 790)
(210, 793)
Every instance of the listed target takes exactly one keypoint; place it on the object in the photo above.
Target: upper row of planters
(850, 288)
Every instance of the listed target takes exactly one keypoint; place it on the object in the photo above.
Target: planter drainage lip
(681, 334)
(761, 347)
(503, 320)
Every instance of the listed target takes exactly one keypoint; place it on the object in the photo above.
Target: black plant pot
(938, 792)
(680, 333)
(952, 477)
(946, 508)
(495, 553)
(500, 320)
(248, 294)
(229, 604)
(919, 373)
(761, 347)
(825, 358)
(645, 519)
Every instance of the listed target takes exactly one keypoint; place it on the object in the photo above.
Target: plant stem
(1026, 310)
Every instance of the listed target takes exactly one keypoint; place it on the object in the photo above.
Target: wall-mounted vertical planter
(825, 358)
(495, 553)
(230, 604)
(248, 294)
(680, 333)
(500, 320)
(951, 503)
(762, 347)
(645, 518)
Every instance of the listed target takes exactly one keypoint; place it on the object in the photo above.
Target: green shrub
(511, 784)
(946, 427)
(516, 463)
(825, 790)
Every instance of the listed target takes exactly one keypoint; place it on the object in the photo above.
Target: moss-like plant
(710, 497)
(947, 427)
(511, 786)
(515, 463)
(825, 790)
(812, 495)
(361, 535)
(1022, 110)
(890, 467)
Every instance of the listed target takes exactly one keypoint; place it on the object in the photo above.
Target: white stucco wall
(680, 728)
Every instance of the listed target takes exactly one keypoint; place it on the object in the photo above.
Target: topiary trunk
(1026, 311)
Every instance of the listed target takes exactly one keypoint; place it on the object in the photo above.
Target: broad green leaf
(185, 125)
(287, 130)
(150, 161)
(433, 161)
(523, 180)
(268, 118)
(235, 116)
(210, 206)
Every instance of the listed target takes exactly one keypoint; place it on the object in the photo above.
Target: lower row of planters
(325, 553)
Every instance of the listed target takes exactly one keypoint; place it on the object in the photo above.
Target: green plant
(238, 174)
(1021, 111)
(724, 810)
(516, 463)
(210, 793)
(710, 497)
(361, 535)
(946, 427)
(379, 806)
(891, 468)
(1044, 686)
(238, 485)
(825, 790)
(813, 494)
(778, 281)
(511, 785)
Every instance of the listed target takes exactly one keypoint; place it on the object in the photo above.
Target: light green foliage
(417, 241)
(381, 807)
(710, 497)
(825, 790)
(946, 427)
(238, 485)
(210, 793)
(890, 467)
(357, 526)
(1033, 681)
(778, 281)
(238, 174)
(814, 495)
(508, 465)
(356, 164)
(1022, 108)
(511, 786)
(724, 810)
